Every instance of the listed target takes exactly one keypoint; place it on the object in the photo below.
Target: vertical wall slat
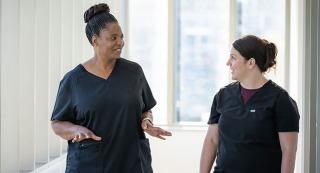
(87, 50)
(66, 42)
(78, 24)
(54, 69)
(26, 85)
(9, 85)
(41, 81)
(66, 36)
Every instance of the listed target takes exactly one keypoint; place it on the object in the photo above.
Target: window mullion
(287, 46)
(171, 64)
(233, 21)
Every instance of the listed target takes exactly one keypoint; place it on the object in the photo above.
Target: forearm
(208, 155)
(147, 115)
(288, 142)
(288, 161)
(64, 129)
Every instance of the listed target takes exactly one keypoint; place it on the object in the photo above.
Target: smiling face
(239, 66)
(110, 42)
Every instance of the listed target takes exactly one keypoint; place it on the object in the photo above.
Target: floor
(56, 166)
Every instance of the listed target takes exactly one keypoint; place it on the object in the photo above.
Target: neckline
(98, 77)
(268, 81)
(259, 90)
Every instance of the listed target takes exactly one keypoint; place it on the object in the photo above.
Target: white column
(309, 88)
(26, 85)
(41, 81)
(54, 69)
(9, 14)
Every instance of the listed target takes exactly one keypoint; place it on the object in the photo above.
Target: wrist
(147, 119)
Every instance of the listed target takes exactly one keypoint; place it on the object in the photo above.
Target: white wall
(40, 41)
(9, 84)
(179, 153)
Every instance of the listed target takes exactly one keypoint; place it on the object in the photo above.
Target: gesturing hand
(84, 133)
(158, 132)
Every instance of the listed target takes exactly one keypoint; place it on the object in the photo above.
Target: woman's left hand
(158, 132)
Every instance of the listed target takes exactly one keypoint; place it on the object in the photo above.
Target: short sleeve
(214, 114)
(287, 114)
(63, 110)
(148, 99)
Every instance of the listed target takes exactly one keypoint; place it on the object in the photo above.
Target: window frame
(172, 50)
(301, 6)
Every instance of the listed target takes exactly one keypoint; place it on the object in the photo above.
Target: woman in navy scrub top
(104, 105)
(254, 123)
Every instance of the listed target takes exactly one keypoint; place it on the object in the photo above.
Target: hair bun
(94, 10)
(271, 53)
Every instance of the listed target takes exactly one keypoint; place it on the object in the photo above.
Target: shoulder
(130, 65)
(230, 88)
(71, 76)
(279, 94)
(227, 91)
(274, 88)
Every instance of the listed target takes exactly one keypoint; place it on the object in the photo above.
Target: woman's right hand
(83, 133)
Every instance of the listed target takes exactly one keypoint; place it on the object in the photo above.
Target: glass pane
(202, 52)
(148, 32)
(266, 19)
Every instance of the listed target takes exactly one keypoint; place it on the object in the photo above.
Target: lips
(117, 50)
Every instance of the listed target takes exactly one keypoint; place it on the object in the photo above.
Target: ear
(123, 43)
(94, 40)
(252, 63)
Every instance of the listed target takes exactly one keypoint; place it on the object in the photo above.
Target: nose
(120, 42)
(228, 62)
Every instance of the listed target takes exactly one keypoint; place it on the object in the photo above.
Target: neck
(253, 81)
(103, 63)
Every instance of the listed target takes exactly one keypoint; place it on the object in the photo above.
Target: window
(148, 46)
(202, 51)
(203, 34)
(265, 18)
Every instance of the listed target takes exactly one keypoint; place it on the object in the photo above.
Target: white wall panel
(78, 30)
(87, 48)
(41, 80)
(41, 40)
(9, 85)
(26, 85)
(66, 35)
(66, 41)
(54, 69)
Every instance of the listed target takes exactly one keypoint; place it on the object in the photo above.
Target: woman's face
(237, 64)
(110, 41)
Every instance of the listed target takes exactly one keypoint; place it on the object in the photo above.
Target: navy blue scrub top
(112, 109)
(248, 133)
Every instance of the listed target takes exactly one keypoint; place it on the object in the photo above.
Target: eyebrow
(121, 35)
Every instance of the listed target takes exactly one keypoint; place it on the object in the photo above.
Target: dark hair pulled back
(261, 50)
(97, 17)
